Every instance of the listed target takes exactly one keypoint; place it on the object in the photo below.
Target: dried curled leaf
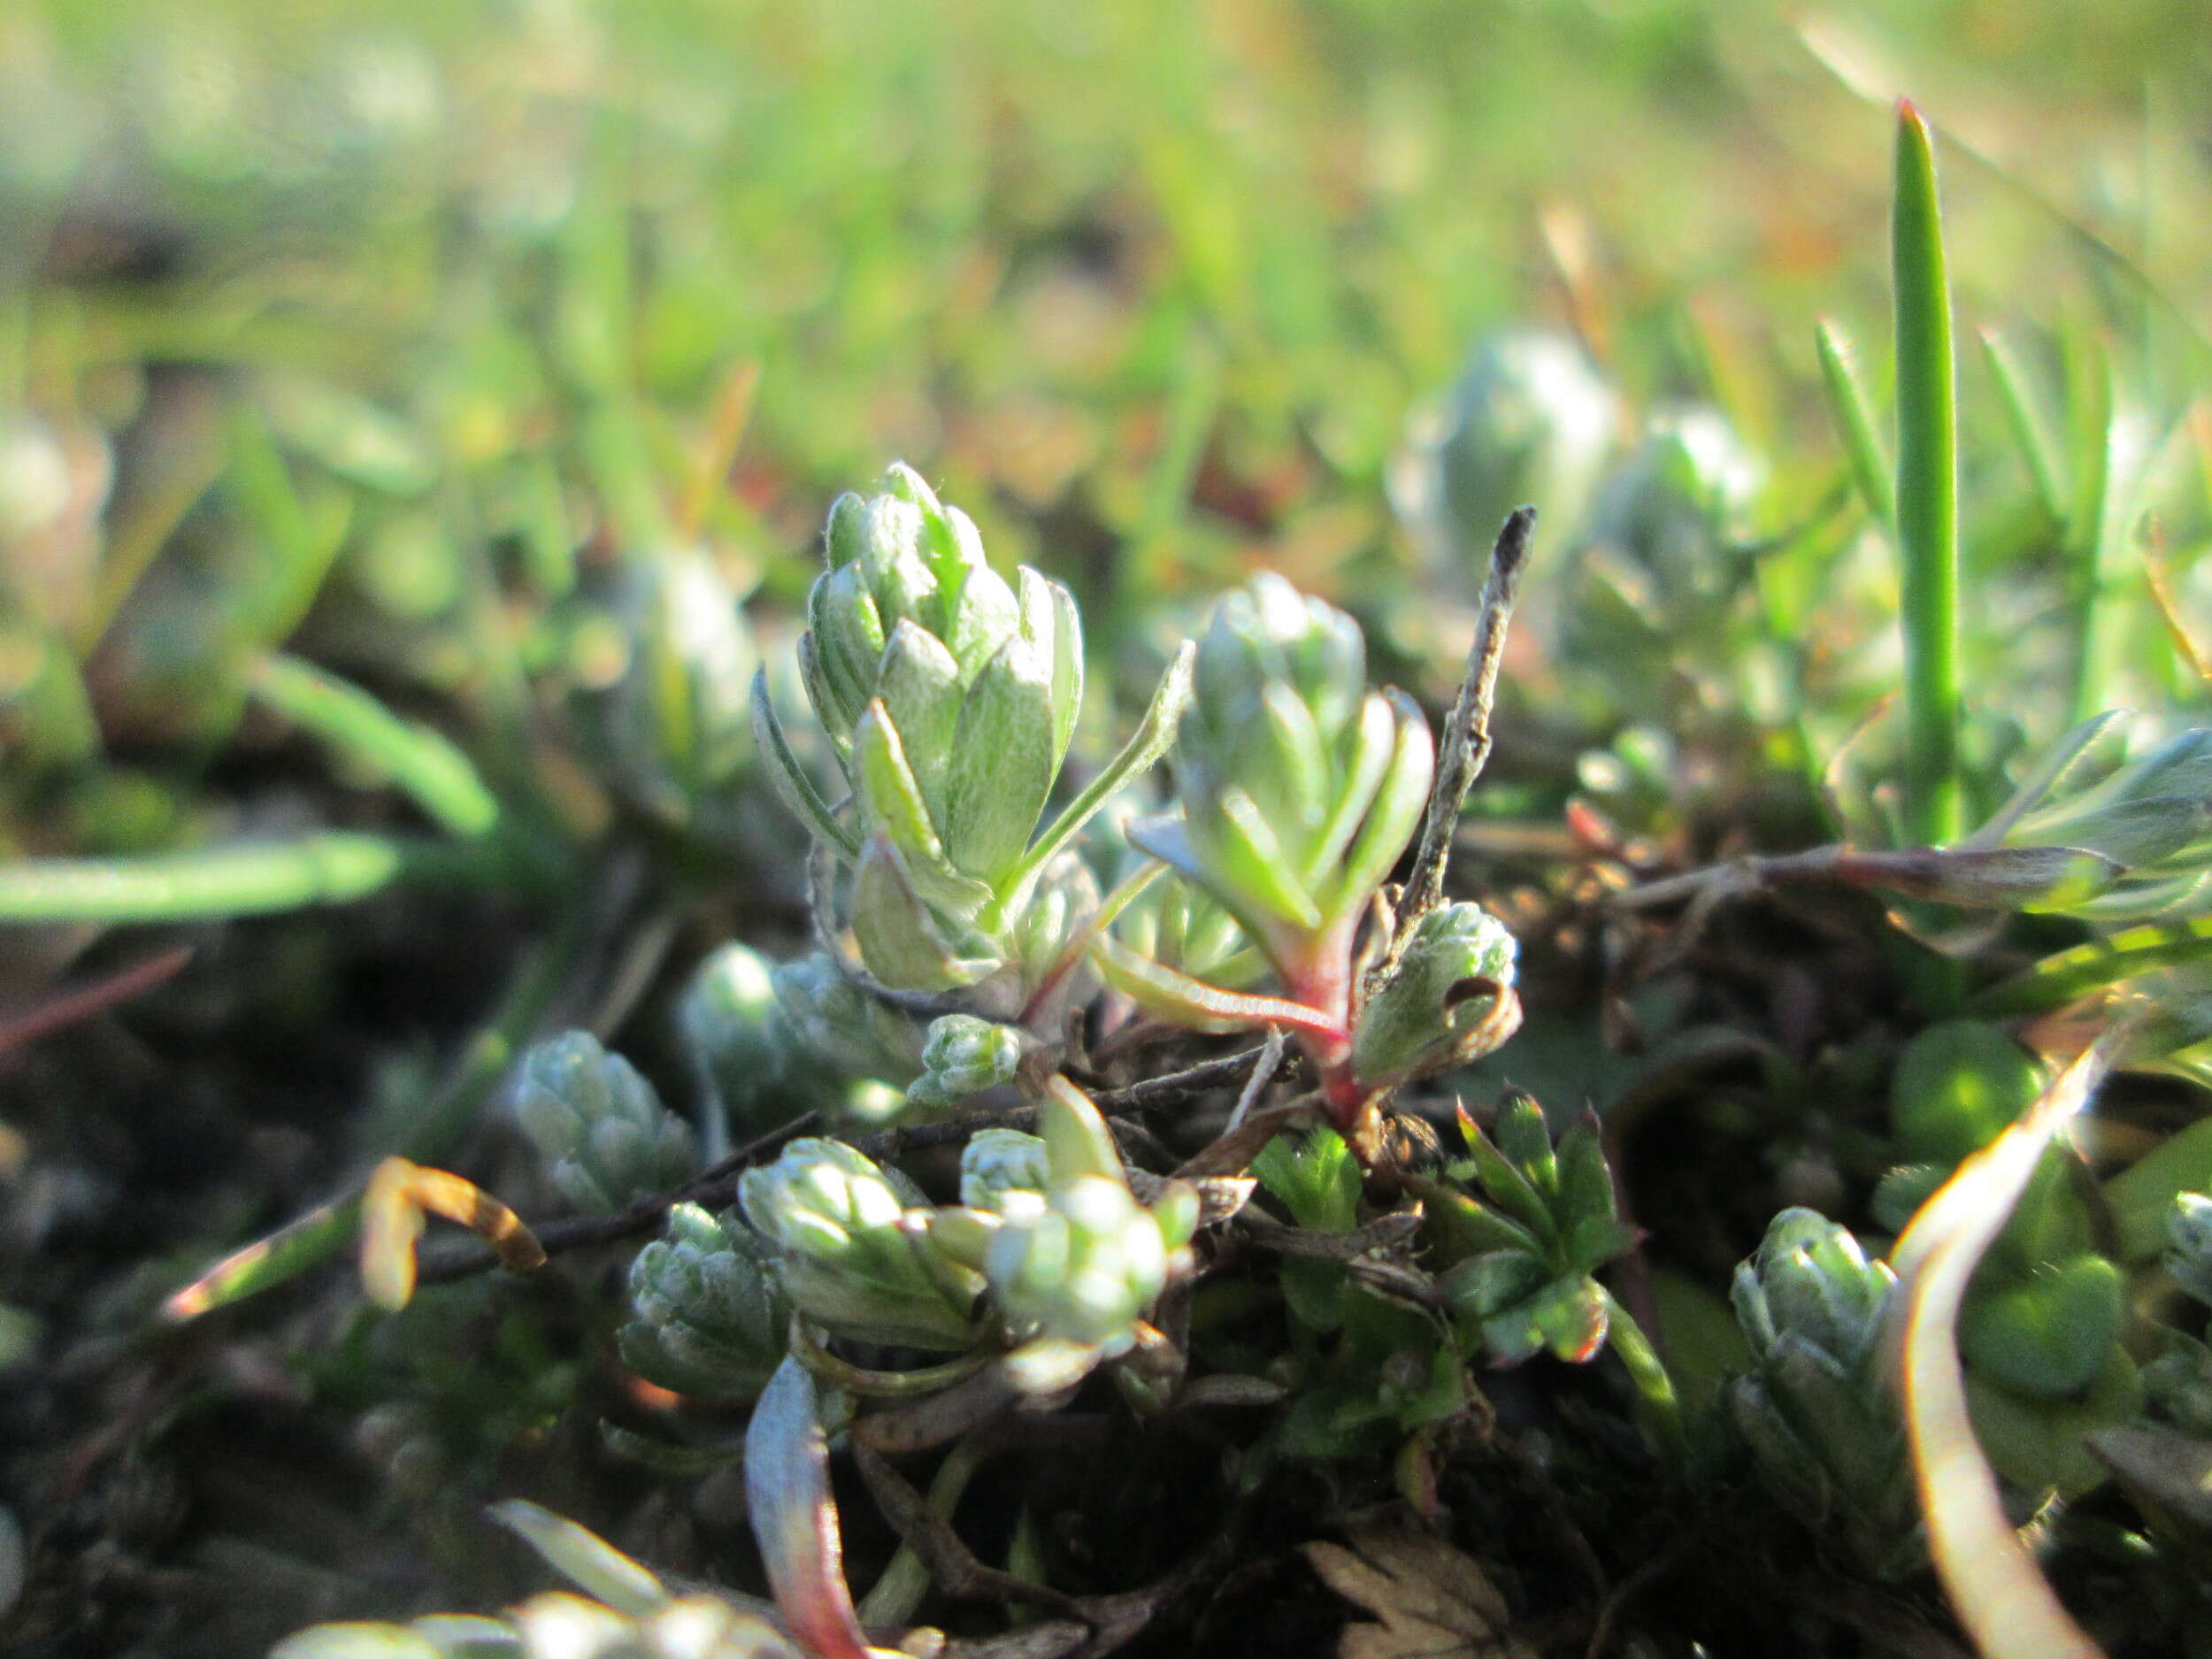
(399, 1196)
(1434, 1602)
(1999, 1593)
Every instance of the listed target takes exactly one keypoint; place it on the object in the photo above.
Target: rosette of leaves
(1667, 516)
(598, 1125)
(667, 719)
(841, 1026)
(706, 1317)
(1529, 421)
(1365, 1369)
(1072, 1267)
(1299, 787)
(768, 1040)
(853, 1251)
(999, 1163)
(963, 1056)
(1545, 1223)
(740, 1045)
(1663, 557)
(949, 698)
(1818, 1413)
(1181, 928)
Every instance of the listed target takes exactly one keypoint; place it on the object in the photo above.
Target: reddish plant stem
(1321, 979)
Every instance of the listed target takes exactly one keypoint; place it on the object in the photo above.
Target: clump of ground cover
(413, 459)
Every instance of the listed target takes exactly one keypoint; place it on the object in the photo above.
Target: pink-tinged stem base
(1321, 980)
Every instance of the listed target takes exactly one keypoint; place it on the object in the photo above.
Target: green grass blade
(2069, 975)
(329, 868)
(297, 535)
(2096, 531)
(1927, 491)
(421, 762)
(294, 1248)
(1854, 411)
(2028, 419)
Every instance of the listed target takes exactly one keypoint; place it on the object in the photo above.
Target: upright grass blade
(2030, 423)
(420, 761)
(2096, 531)
(1853, 410)
(1927, 491)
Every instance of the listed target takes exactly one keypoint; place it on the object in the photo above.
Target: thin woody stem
(1465, 748)
(717, 1188)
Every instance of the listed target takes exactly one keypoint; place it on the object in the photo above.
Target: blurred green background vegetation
(1152, 287)
(487, 356)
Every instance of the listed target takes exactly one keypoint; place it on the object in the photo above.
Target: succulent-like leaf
(790, 779)
(919, 684)
(795, 1518)
(1002, 765)
(901, 940)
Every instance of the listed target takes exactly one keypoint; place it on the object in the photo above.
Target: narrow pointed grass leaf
(298, 534)
(2090, 396)
(584, 1558)
(2051, 770)
(332, 867)
(2069, 975)
(1854, 411)
(1927, 490)
(2096, 542)
(792, 785)
(422, 763)
(2027, 415)
(314, 1236)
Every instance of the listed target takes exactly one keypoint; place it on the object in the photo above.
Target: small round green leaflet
(1956, 1087)
(2051, 1335)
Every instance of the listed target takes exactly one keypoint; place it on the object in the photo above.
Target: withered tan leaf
(1434, 1602)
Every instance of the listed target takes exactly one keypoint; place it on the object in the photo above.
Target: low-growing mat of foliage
(1480, 923)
